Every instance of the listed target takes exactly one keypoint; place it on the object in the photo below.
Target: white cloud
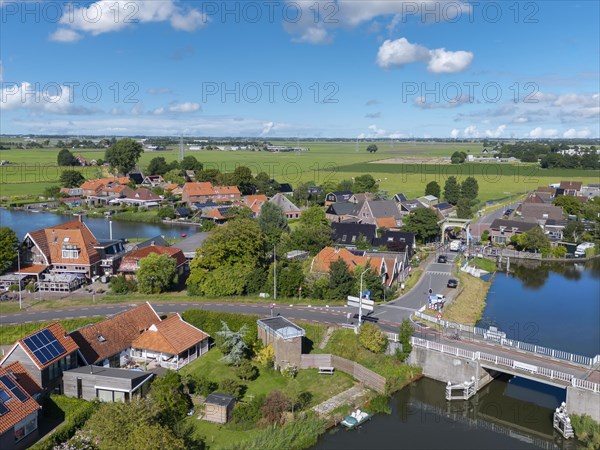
(572, 133)
(267, 127)
(105, 16)
(400, 52)
(376, 132)
(314, 35)
(184, 107)
(421, 102)
(65, 35)
(540, 132)
(455, 133)
(55, 99)
(498, 132)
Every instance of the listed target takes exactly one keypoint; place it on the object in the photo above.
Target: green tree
(573, 231)
(9, 246)
(166, 212)
(372, 338)
(405, 332)
(120, 285)
(226, 259)
(313, 232)
(433, 188)
(463, 208)
(174, 176)
(191, 163)
(372, 148)
(535, 240)
(156, 274)
(424, 223)
(365, 183)
(123, 155)
(469, 188)
(458, 157)
(66, 158)
(157, 166)
(341, 280)
(154, 437)
(272, 222)
(569, 204)
(451, 190)
(290, 277)
(168, 398)
(230, 386)
(246, 370)
(371, 281)
(52, 192)
(232, 344)
(345, 185)
(71, 178)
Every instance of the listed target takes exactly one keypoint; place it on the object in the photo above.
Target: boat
(355, 419)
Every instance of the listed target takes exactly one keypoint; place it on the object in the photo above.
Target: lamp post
(360, 296)
(274, 273)
(19, 280)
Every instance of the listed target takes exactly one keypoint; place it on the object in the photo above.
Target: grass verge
(11, 333)
(468, 304)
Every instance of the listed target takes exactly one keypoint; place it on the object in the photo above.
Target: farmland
(33, 170)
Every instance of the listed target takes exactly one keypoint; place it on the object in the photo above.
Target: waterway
(23, 222)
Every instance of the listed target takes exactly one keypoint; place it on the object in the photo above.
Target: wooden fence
(361, 373)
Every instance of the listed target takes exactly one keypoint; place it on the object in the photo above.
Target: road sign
(355, 299)
(367, 293)
(367, 302)
(439, 315)
(364, 306)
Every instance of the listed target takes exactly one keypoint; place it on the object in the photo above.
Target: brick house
(286, 339)
(502, 230)
(203, 192)
(131, 262)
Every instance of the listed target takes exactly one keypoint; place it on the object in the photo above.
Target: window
(71, 254)
(344, 237)
(104, 395)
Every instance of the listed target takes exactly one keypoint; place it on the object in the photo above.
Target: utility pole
(274, 273)
(361, 296)
(19, 281)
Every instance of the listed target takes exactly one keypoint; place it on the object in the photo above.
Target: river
(24, 221)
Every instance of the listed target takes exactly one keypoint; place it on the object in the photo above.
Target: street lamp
(19, 280)
(360, 296)
(274, 273)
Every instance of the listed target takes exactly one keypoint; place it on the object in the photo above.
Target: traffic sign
(355, 299)
(367, 302)
(364, 306)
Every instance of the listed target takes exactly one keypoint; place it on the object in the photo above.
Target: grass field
(33, 170)
(11, 333)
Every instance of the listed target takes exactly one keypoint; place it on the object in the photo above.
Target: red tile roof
(571, 185)
(325, 257)
(23, 378)
(61, 336)
(172, 335)
(386, 222)
(103, 339)
(130, 262)
(198, 189)
(17, 410)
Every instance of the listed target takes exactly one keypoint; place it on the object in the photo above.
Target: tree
(469, 188)
(424, 223)
(266, 356)
(313, 232)
(52, 192)
(123, 155)
(463, 208)
(458, 157)
(433, 188)
(156, 274)
(365, 183)
(371, 282)
(158, 166)
(71, 178)
(573, 231)
(372, 338)
(232, 344)
(246, 370)
(451, 190)
(9, 245)
(569, 204)
(290, 278)
(174, 176)
(345, 185)
(230, 386)
(341, 280)
(66, 158)
(276, 403)
(534, 240)
(405, 332)
(272, 222)
(154, 437)
(166, 212)
(120, 285)
(226, 259)
(191, 163)
(372, 148)
(168, 398)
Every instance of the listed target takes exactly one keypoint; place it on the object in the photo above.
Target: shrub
(372, 338)
(289, 371)
(587, 431)
(247, 414)
(166, 212)
(266, 356)
(246, 370)
(230, 386)
(200, 384)
(276, 403)
(121, 285)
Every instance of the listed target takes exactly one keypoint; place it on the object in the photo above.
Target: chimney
(152, 243)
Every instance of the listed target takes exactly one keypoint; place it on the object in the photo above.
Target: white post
(110, 229)
(360, 297)
(19, 281)
(274, 273)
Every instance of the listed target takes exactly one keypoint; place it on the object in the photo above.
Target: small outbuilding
(107, 384)
(286, 339)
(218, 408)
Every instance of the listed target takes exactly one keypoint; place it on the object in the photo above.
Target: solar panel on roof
(16, 390)
(44, 346)
(3, 409)
(4, 397)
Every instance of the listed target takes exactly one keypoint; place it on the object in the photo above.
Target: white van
(454, 246)
(581, 250)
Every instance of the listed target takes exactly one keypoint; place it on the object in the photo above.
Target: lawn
(11, 333)
(468, 305)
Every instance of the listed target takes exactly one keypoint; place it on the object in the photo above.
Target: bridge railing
(506, 362)
(519, 345)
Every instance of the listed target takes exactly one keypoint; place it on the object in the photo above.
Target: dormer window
(101, 338)
(70, 252)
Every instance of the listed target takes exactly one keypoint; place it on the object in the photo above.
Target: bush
(201, 385)
(211, 322)
(276, 403)
(289, 371)
(230, 386)
(166, 212)
(121, 285)
(587, 431)
(266, 356)
(247, 414)
(246, 370)
(14, 287)
(372, 338)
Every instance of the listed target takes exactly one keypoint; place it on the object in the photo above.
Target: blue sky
(345, 68)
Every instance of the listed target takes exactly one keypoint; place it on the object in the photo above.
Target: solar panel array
(3, 409)
(44, 346)
(4, 397)
(14, 388)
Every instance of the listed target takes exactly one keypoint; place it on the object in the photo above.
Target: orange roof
(386, 222)
(52, 241)
(170, 187)
(17, 409)
(23, 377)
(172, 335)
(205, 188)
(255, 202)
(117, 332)
(226, 190)
(130, 262)
(325, 257)
(91, 185)
(32, 269)
(61, 336)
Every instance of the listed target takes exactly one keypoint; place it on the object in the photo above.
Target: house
(106, 384)
(18, 409)
(399, 198)
(539, 212)
(190, 244)
(444, 210)
(218, 214)
(571, 188)
(202, 192)
(348, 234)
(136, 177)
(45, 354)
(290, 210)
(337, 197)
(171, 343)
(592, 190)
(315, 190)
(428, 200)
(285, 188)
(343, 212)
(131, 262)
(396, 241)
(285, 337)
(153, 181)
(322, 261)
(182, 213)
(218, 408)
(172, 190)
(534, 197)
(93, 187)
(383, 213)
(361, 198)
(108, 343)
(71, 192)
(502, 230)
(408, 206)
(81, 160)
(255, 202)
(139, 197)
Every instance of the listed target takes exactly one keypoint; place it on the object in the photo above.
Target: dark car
(367, 318)
(452, 283)
(442, 259)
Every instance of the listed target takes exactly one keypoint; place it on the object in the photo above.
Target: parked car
(452, 283)
(442, 259)
(455, 246)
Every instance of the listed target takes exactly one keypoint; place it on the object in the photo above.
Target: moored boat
(355, 419)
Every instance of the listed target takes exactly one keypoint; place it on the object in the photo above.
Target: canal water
(24, 221)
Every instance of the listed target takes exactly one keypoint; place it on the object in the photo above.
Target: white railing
(511, 363)
(522, 346)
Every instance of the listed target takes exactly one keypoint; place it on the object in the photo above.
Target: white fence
(506, 362)
(522, 346)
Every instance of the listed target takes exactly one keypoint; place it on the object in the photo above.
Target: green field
(34, 170)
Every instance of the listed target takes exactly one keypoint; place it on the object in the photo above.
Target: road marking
(438, 272)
